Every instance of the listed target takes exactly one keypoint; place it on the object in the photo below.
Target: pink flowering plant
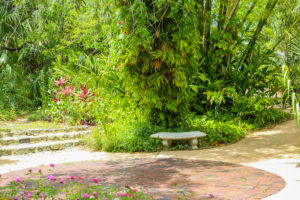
(72, 104)
(40, 186)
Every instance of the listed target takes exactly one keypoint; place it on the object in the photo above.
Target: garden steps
(55, 136)
(12, 132)
(31, 137)
(38, 147)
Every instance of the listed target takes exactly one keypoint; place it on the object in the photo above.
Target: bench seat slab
(179, 135)
(167, 137)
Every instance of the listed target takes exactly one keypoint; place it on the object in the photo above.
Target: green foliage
(222, 132)
(156, 62)
(37, 116)
(134, 138)
(42, 186)
(259, 111)
(219, 131)
(21, 60)
(157, 56)
(7, 115)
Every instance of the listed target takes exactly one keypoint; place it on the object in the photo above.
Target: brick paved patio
(169, 178)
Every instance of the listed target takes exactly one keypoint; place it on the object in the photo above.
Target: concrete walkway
(275, 150)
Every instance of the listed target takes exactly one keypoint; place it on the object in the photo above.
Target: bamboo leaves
(289, 88)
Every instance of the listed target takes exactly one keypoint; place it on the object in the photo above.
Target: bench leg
(194, 143)
(167, 143)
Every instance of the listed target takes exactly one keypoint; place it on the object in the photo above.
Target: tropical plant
(150, 62)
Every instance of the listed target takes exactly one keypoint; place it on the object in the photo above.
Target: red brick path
(169, 178)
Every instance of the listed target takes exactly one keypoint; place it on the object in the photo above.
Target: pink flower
(135, 190)
(40, 171)
(0, 175)
(75, 191)
(84, 195)
(51, 178)
(96, 194)
(62, 181)
(19, 180)
(125, 195)
(72, 177)
(28, 194)
(60, 81)
(52, 165)
(79, 178)
(96, 180)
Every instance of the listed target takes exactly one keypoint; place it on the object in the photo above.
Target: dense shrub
(230, 127)
(125, 135)
(218, 131)
(37, 116)
(6, 115)
(222, 132)
(130, 138)
(258, 111)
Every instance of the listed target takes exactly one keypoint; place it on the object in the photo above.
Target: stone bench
(167, 137)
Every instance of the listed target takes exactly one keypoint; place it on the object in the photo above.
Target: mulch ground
(168, 178)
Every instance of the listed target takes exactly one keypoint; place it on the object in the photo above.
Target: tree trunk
(207, 14)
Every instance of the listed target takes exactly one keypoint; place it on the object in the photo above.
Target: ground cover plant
(47, 186)
(133, 68)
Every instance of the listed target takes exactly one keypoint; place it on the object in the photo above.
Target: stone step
(41, 131)
(22, 139)
(37, 147)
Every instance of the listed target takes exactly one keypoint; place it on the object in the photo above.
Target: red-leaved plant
(72, 104)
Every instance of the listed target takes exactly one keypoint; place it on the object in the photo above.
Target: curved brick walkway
(166, 178)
